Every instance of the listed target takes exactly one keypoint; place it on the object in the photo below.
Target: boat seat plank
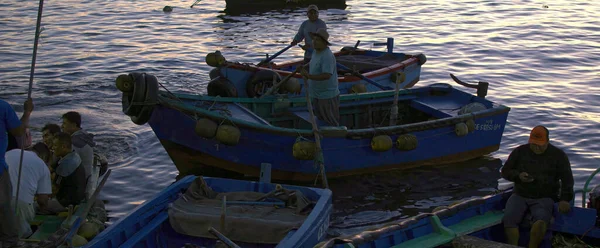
(434, 111)
(477, 223)
(240, 112)
(430, 240)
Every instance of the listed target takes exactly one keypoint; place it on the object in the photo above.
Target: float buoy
(221, 87)
(381, 143)
(260, 82)
(422, 58)
(470, 125)
(357, 88)
(124, 83)
(292, 86)
(77, 240)
(228, 135)
(304, 150)
(150, 100)
(167, 8)
(206, 128)
(406, 142)
(88, 230)
(461, 129)
(129, 100)
(215, 59)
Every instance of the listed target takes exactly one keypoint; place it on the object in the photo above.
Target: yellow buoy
(381, 143)
(398, 77)
(358, 88)
(206, 128)
(215, 59)
(461, 129)
(304, 150)
(470, 125)
(228, 135)
(124, 83)
(292, 86)
(406, 142)
(88, 230)
(78, 241)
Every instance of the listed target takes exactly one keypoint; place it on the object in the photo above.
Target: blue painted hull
(148, 224)
(352, 153)
(422, 231)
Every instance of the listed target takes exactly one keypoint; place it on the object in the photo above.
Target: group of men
(57, 172)
(541, 171)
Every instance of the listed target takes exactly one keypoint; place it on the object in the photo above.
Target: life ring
(221, 87)
(150, 100)
(260, 82)
(138, 95)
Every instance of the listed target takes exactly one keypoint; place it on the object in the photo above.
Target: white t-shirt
(35, 176)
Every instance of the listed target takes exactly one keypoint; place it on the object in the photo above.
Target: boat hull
(344, 155)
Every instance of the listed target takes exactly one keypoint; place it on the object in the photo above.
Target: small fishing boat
(378, 131)
(384, 70)
(201, 212)
(477, 222)
(237, 7)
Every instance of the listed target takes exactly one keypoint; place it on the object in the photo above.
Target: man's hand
(305, 74)
(293, 43)
(524, 176)
(564, 207)
(28, 106)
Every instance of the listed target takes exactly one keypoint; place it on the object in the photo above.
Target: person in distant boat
(542, 176)
(9, 124)
(35, 181)
(69, 176)
(83, 144)
(311, 25)
(323, 79)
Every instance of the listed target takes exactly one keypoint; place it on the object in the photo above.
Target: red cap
(539, 136)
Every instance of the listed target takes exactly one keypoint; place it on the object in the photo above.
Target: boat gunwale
(178, 105)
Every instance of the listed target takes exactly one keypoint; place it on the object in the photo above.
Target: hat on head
(312, 7)
(539, 136)
(321, 32)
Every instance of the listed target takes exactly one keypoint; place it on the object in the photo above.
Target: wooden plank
(240, 112)
(429, 109)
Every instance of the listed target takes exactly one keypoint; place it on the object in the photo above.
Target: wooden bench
(240, 112)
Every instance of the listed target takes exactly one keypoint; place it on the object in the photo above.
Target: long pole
(35, 45)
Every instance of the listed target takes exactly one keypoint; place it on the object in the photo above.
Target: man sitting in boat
(323, 79)
(48, 132)
(70, 175)
(83, 144)
(542, 176)
(35, 181)
(311, 25)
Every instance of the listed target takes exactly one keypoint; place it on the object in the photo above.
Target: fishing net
(200, 208)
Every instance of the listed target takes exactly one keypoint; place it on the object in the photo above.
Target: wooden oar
(266, 61)
(317, 136)
(197, 1)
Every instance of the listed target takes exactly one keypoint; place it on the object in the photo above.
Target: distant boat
(241, 6)
(182, 213)
(233, 136)
(473, 223)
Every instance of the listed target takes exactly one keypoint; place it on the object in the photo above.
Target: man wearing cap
(542, 176)
(323, 79)
(311, 25)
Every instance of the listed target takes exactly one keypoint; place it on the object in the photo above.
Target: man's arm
(566, 178)
(510, 171)
(19, 130)
(42, 200)
(300, 35)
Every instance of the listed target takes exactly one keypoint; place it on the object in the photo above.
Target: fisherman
(83, 144)
(323, 79)
(70, 175)
(48, 132)
(34, 181)
(542, 176)
(311, 25)
(9, 123)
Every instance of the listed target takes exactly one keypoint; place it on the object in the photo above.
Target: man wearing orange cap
(542, 176)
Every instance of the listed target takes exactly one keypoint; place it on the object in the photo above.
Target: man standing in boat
(311, 25)
(9, 123)
(323, 79)
(542, 176)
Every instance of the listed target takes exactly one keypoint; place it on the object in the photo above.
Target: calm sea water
(541, 59)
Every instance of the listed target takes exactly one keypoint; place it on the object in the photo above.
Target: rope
(31, 73)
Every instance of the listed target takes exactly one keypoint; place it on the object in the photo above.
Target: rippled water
(541, 59)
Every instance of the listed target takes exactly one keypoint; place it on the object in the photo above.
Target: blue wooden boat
(232, 137)
(385, 69)
(475, 223)
(151, 224)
